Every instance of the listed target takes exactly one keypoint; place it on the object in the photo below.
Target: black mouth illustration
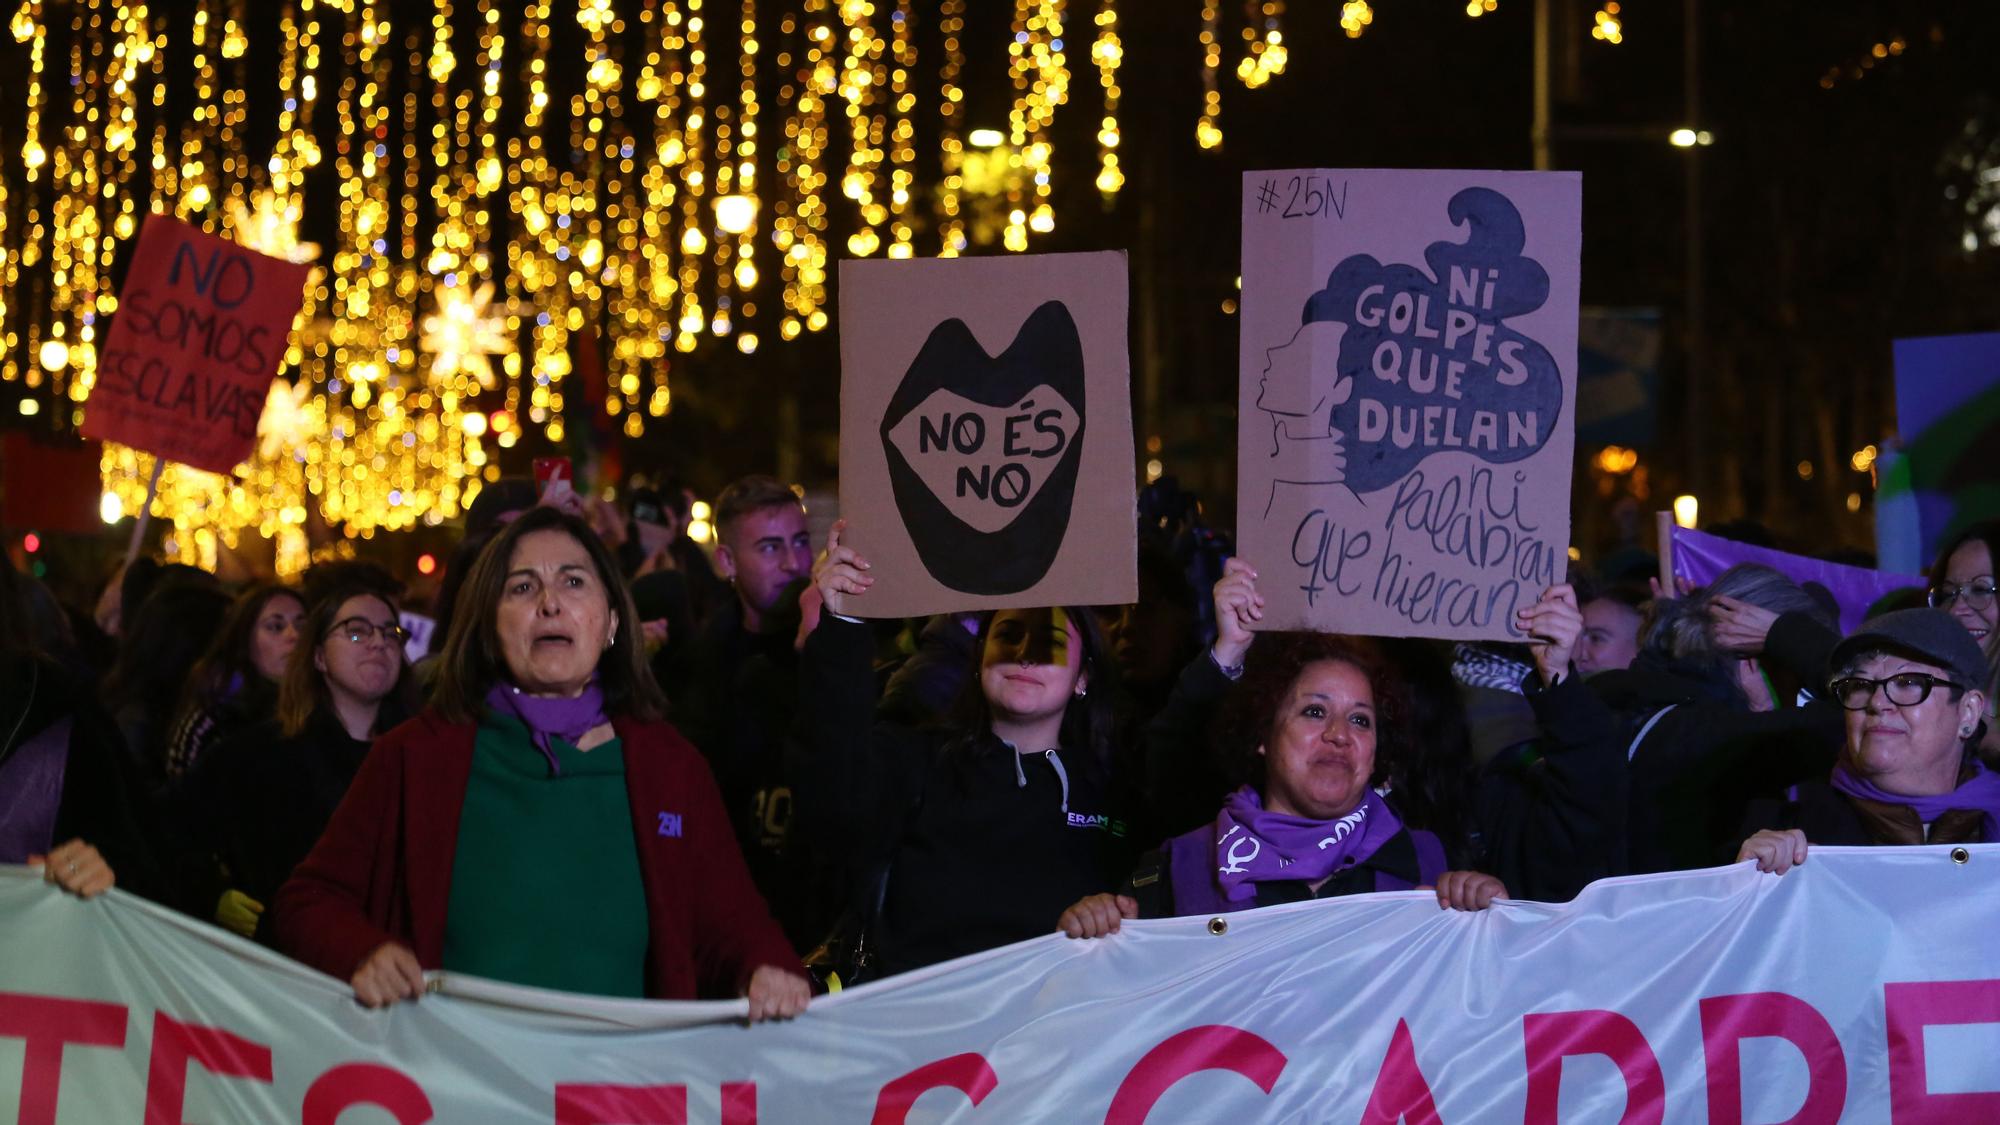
(1046, 351)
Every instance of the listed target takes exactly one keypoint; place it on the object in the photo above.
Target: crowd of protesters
(629, 768)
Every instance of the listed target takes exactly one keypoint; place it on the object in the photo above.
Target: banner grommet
(1218, 926)
(1960, 856)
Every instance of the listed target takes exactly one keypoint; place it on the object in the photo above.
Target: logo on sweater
(1079, 820)
(670, 825)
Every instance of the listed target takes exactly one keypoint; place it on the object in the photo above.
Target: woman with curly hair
(1324, 721)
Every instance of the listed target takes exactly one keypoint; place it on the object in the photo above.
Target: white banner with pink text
(1863, 986)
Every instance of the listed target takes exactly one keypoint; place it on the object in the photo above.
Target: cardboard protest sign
(986, 432)
(199, 333)
(1407, 408)
(1943, 476)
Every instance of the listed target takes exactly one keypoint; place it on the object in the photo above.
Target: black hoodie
(1695, 769)
(984, 845)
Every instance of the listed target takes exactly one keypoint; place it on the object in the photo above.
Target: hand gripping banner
(1863, 986)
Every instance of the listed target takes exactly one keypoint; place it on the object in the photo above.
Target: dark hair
(749, 494)
(304, 689)
(179, 618)
(1089, 721)
(472, 661)
(1987, 532)
(1631, 595)
(229, 656)
(1682, 630)
(1252, 714)
(1433, 776)
(323, 579)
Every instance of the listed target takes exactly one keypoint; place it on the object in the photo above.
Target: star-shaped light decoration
(270, 225)
(464, 332)
(286, 423)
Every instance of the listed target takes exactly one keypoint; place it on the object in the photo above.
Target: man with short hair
(737, 690)
(763, 545)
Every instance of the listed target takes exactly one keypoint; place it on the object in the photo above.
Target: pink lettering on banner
(353, 1084)
(1554, 1036)
(175, 1044)
(970, 1074)
(1213, 1047)
(1909, 1009)
(1728, 1020)
(48, 1024)
(591, 1103)
(1401, 1093)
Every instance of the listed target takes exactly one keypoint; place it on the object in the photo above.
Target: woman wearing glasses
(1962, 585)
(539, 824)
(252, 808)
(1909, 682)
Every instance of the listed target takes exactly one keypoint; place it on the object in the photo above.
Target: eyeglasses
(358, 630)
(1977, 594)
(1905, 689)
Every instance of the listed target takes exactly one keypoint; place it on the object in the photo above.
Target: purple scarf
(1247, 845)
(1981, 791)
(567, 719)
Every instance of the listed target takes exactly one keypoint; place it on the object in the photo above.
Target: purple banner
(1699, 558)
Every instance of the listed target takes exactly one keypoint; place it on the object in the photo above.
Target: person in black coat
(70, 800)
(1720, 709)
(987, 827)
(253, 807)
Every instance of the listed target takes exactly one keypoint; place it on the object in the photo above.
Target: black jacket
(1694, 772)
(923, 688)
(253, 807)
(736, 700)
(984, 846)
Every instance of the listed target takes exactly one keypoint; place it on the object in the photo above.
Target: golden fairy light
(1355, 16)
(1266, 56)
(1108, 53)
(1208, 130)
(1608, 27)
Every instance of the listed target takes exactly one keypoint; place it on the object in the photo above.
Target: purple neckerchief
(32, 778)
(566, 718)
(1221, 863)
(1981, 791)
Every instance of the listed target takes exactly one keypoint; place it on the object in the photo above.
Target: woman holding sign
(983, 829)
(539, 824)
(1326, 726)
(1330, 723)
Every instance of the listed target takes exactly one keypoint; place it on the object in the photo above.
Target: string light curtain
(526, 214)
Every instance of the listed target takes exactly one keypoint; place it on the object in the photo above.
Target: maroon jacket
(382, 870)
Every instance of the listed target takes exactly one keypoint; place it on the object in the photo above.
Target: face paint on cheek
(1055, 640)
